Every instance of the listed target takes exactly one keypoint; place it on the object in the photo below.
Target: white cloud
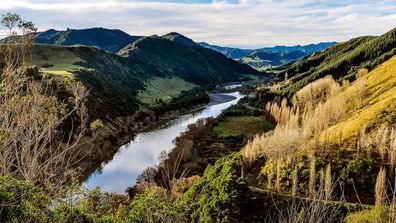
(249, 23)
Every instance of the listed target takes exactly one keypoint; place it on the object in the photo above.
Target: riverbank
(130, 160)
(99, 147)
(206, 141)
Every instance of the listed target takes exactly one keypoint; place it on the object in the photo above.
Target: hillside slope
(260, 60)
(377, 102)
(230, 52)
(342, 61)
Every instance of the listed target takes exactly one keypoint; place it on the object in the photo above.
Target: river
(132, 158)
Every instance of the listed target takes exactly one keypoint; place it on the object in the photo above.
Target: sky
(236, 23)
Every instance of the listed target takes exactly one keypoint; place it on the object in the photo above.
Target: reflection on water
(142, 152)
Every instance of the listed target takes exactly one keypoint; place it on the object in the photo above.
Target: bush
(65, 213)
(361, 174)
(153, 205)
(377, 214)
(21, 201)
(96, 124)
(216, 197)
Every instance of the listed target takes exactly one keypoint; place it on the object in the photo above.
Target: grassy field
(238, 125)
(55, 60)
(254, 60)
(163, 89)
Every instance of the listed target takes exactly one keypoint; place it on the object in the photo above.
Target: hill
(107, 39)
(177, 55)
(342, 61)
(262, 58)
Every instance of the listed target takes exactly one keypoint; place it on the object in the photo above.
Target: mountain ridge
(264, 58)
(111, 40)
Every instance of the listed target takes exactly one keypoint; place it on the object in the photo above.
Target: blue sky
(241, 23)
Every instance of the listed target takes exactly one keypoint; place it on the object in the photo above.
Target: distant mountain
(310, 48)
(233, 53)
(111, 40)
(342, 61)
(269, 56)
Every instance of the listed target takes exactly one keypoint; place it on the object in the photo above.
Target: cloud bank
(242, 23)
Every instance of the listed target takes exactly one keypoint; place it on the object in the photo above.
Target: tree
(10, 20)
(34, 143)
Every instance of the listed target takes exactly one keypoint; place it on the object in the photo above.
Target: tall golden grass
(381, 140)
(380, 188)
(302, 125)
(315, 107)
(317, 92)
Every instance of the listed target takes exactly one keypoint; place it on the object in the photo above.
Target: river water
(132, 158)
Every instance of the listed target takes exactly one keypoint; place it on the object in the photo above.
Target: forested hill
(177, 55)
(342, 61)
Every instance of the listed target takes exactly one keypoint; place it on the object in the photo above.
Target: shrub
(65, 213)
(216, 197)
(96, 124)
(21, 201)
(377, 214)
(153, 205)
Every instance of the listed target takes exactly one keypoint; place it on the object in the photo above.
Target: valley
(102, 126)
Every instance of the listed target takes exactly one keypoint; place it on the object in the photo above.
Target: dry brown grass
(312, 175)
(328, 184)
(381, 141)
(321, 106)
(283, 115)
(380, 188)
(282, 143)
(317, 92)
(362, 72)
